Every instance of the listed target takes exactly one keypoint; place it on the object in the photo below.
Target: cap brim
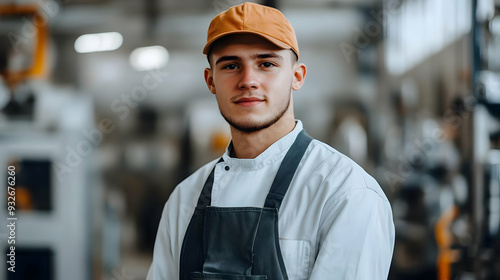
(274, 41)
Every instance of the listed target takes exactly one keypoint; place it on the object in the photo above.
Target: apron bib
(239, 243)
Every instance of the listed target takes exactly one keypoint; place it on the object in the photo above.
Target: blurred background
(104, 110)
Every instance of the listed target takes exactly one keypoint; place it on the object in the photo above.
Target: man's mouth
(249, 101)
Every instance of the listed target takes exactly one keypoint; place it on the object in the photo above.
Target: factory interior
(104, 110)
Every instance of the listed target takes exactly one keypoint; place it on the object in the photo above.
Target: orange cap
(252, 18)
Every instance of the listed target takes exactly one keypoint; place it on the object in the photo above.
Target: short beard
(254, 127)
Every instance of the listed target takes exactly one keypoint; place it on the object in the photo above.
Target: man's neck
(251, 144)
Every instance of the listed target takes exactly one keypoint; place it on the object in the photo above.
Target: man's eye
(267, 64)
(230, 66)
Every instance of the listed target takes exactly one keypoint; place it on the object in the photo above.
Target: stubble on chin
(249, 126)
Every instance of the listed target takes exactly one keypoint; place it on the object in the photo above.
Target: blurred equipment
(27, 56)
(44, 135)
(486, 165)
(53, 207)
(444, 239)
(33, 264)
(23, 54)
(442, 67)
(33, 190)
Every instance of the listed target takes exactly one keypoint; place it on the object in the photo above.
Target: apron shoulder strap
(287, 170)
(206, 193)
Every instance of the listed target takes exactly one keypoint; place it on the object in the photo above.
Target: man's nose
(248, 79)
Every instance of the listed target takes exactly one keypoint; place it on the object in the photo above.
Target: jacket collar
(274, 153)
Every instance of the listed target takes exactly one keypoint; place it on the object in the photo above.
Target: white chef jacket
(335, 221)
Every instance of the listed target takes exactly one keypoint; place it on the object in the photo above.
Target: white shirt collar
(275, 152)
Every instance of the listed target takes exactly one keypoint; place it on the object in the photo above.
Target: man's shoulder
(325, 155)
(338, 172)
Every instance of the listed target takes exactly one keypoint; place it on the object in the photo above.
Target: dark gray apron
(237, 243)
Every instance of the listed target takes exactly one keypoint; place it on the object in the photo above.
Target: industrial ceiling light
(98, 42)
(149, 58)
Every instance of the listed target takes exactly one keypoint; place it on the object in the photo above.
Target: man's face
(252, 80)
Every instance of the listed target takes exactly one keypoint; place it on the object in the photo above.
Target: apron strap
(287, 170)
(206, 193)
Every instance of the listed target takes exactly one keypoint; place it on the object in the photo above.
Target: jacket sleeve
(356, 237)
(164, 265)
(174, 222)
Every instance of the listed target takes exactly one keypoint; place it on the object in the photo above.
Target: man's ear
(209, 79)
(299, 75)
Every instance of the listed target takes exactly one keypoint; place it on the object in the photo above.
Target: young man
(278, 204)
